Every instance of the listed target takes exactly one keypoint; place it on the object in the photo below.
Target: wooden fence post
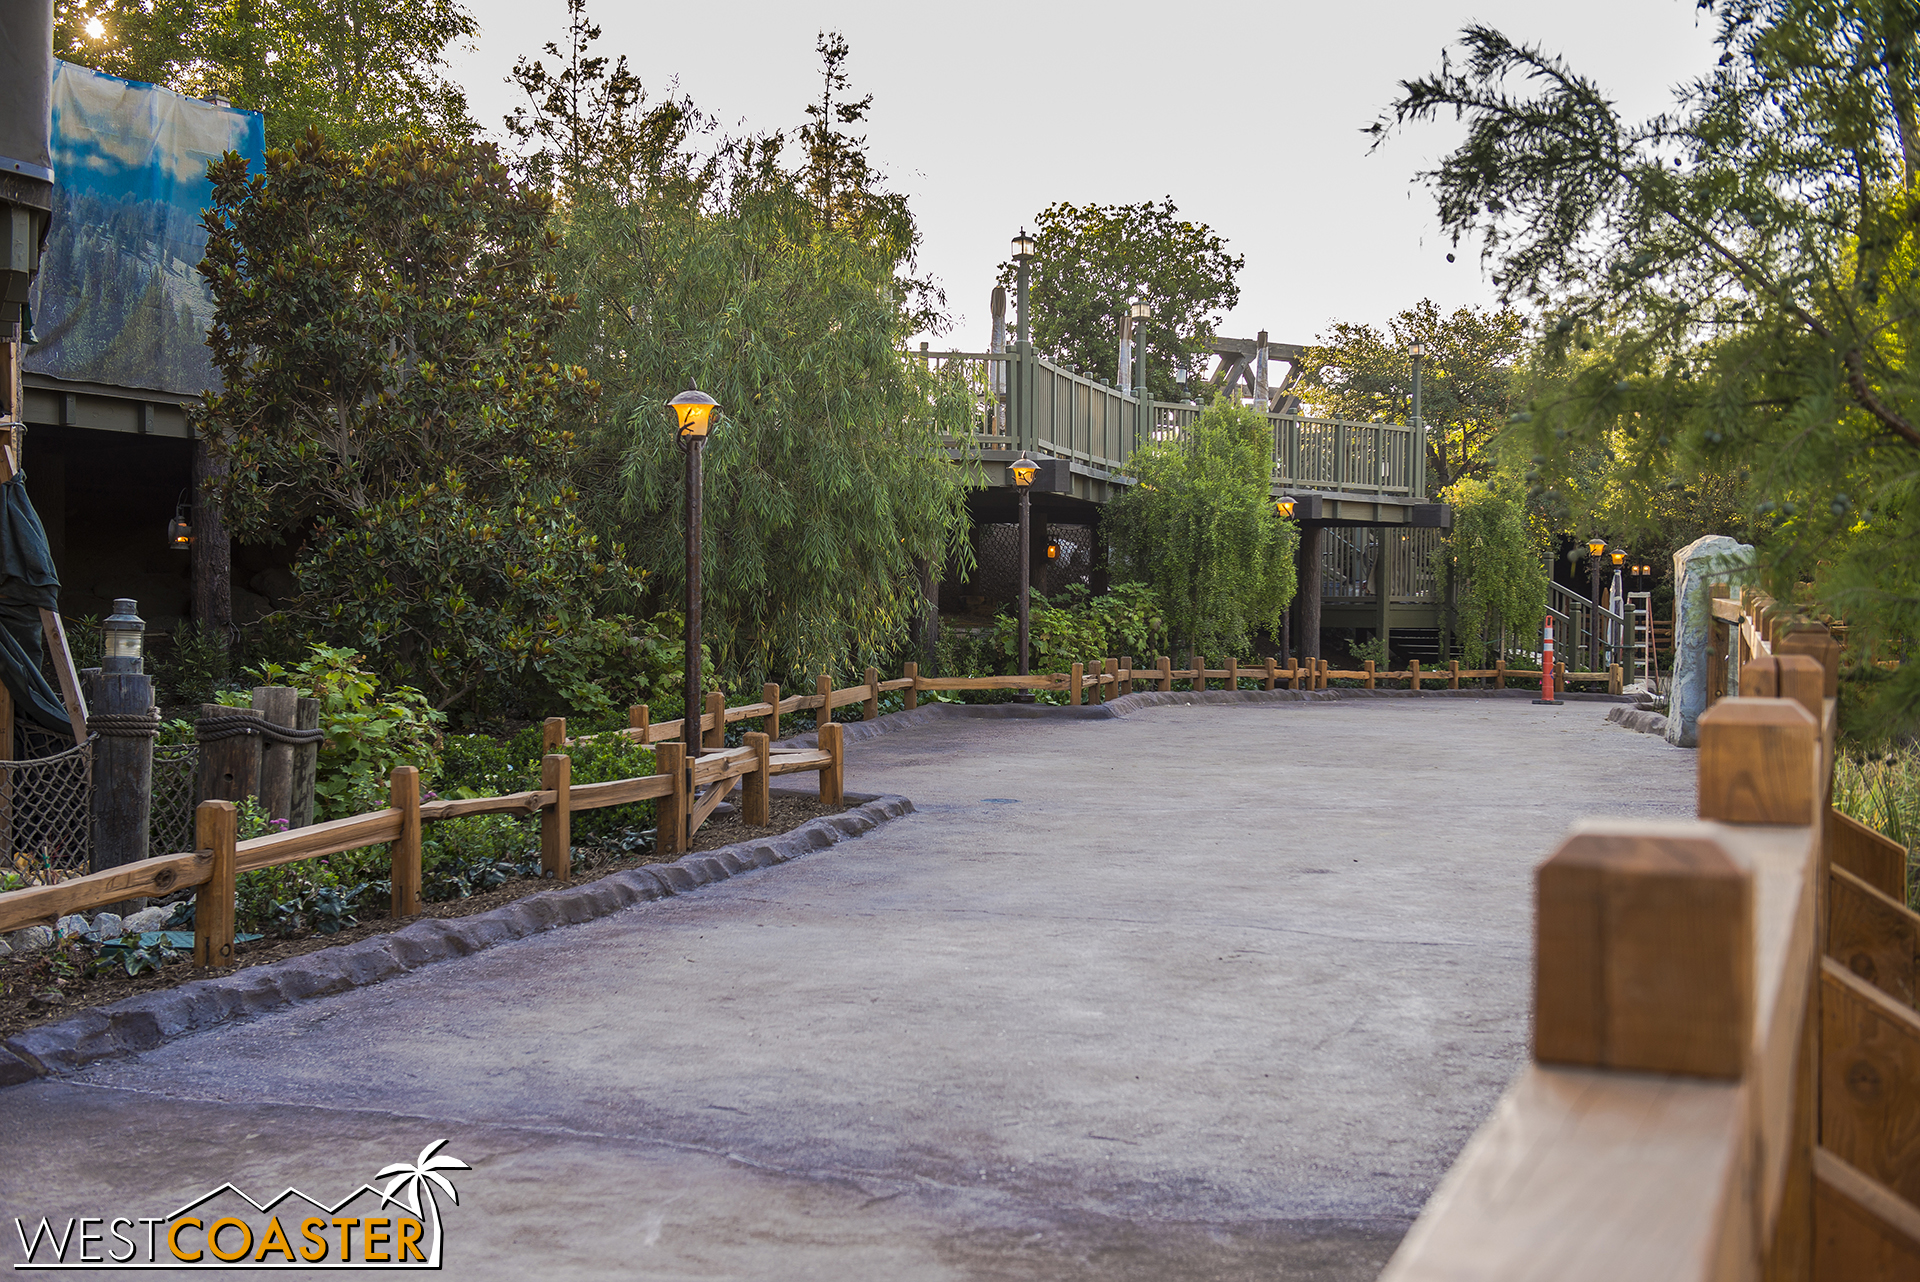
(833, 777)
(1760, 763)
(1500, 674)
(556, 821)
(1197, 664)
(1166, 675)
(824, 688)
(770, 726)
(215, 825)
(640, 722)
(403, 794)
(553, 735)
(1369, 671)
(670, 824)
(716, 734)
(911, 671)
(1643, 955)
(1271, 674)
(1413, 674)
(1817, 643)
(1293, 673)
(1073, 684)
(1453, 674)
(1126, 674)
(1233, 674)
(756, 805)
(1616, 683)
(872, 709)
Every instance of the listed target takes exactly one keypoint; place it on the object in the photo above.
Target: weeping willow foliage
(828, 490)
(1201, 530)
(1498, 576)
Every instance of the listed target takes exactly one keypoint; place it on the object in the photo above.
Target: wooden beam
(1873, 935)
(1869, 1065)
(1863, 1230)
(55, 635)
(1879, 861)
(43, 905)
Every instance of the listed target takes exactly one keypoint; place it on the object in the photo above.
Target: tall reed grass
(1882, 790)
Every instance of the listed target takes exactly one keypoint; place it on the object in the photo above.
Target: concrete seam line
(141, 1023)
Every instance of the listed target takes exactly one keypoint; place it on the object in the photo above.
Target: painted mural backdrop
(118, 300)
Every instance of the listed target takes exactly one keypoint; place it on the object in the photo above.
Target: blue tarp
(118, 299)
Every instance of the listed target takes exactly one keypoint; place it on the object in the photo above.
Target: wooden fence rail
(1726, 1053)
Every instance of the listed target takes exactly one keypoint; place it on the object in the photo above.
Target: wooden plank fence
(1726, 1053)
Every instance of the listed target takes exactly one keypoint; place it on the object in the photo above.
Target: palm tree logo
(411, 1179)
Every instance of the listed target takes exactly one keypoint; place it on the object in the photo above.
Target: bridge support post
(1306, 600)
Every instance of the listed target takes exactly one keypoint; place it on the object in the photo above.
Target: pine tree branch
(1864, 393)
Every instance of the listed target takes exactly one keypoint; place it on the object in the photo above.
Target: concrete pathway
(1206, 992)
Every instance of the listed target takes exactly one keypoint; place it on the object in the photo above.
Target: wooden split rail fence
(687, 788)
(1725, 1081)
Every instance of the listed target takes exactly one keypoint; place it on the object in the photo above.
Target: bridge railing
(1035, 405)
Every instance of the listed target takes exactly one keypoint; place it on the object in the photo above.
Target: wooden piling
(556, 821)
(215, 827)
(229, 767)
(306, 763)
(756, 803)
(276, 704)
(403, 794)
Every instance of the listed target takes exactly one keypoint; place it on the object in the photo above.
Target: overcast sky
(1249, 117)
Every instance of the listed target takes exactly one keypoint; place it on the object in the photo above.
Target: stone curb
(855, 731)
(141, 1023)
(1645, 720)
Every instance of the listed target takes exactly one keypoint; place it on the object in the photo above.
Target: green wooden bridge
(1359, 489)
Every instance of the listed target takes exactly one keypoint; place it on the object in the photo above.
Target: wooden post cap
(1798, 677)
(1817, 643)
(1643, 956)
(1759, 762)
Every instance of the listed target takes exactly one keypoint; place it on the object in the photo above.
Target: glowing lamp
(1283, 506)
(1022, 245)
(1024, 470)
(1619, 558)
(1596, 547)
(1139, 311)
(694, 409)
(1053, 551)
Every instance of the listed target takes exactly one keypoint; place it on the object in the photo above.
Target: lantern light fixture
(1596, 547)
(1053, 551)
(180, 528)
(1024, 470)
(1283, 506)
(1619, 558)
(694, 410)
(125, 630)
(1140, 310)
(1416, 349)
(1022, 245)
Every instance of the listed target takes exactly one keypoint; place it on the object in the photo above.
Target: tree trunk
(212, 551)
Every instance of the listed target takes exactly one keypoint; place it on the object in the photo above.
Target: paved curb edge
(143, 1022)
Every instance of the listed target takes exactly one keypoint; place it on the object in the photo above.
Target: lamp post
(693, 409)
(1138, 312)
(1024, 470)
(1021, 421)
(1618, 628)
(1418, 478)
(1596, 549)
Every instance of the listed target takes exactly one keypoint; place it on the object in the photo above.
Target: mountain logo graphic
(395, 1227)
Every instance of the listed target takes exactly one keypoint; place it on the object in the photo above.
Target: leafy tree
(1494, 563)
(588, 126)
(360, 71)
(1091, 262)
(1730, 284)
(1201, 530)
(1357, 372)
(829, 489)
(394, 406)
